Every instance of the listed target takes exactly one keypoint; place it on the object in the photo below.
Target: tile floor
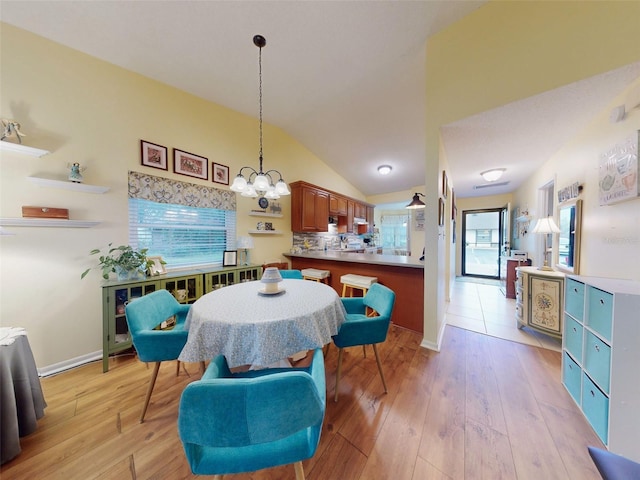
(483, 308)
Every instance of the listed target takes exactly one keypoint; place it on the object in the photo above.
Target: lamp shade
(416, 202)
(244, 242)
(546, 225)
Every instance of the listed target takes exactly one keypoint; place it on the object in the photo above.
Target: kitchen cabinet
(600, 357)
(337, 205)
(309, 208)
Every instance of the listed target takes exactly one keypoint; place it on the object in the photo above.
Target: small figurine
(11, 128)
(75, 173)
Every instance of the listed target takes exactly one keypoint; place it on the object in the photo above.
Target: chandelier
(259, 183)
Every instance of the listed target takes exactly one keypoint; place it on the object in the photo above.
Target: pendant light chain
(260, 100)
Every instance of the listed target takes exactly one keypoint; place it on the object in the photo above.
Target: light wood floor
(483, 407)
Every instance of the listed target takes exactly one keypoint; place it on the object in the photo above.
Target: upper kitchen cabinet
(337, 205)
(309, 208)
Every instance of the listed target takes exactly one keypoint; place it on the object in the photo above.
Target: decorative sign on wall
(618, 179)
(569, 193)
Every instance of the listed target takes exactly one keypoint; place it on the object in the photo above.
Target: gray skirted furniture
(233, 423)
(21, 400)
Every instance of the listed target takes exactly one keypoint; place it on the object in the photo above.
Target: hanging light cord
(260, 100)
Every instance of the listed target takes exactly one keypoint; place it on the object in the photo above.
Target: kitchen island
(404, 275)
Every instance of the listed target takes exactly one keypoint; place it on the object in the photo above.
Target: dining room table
(250, 325)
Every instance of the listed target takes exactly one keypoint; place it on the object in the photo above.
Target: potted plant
(126, 262)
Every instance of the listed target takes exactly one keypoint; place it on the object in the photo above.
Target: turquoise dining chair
(362, 327)
(295, 274)
(243, 422)
(146, 313)
(612, 466)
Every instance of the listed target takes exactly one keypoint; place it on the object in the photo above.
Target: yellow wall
(88, 111)
(610, 234)
(503, 52)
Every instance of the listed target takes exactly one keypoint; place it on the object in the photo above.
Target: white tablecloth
(252, 329)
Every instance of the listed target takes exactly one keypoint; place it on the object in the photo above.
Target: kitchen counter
(404, 275)
(368, 258)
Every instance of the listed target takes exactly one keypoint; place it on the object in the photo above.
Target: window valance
(164, 190)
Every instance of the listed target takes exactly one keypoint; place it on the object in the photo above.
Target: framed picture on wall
(153, 155)
(445, 183)
(230, 258)
(186, 163)
(440, 211)
(220, 174)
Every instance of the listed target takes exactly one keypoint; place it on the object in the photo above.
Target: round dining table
(252, 327)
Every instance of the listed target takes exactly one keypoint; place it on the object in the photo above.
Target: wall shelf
(265, 214)
(22, 149)
(265, 232)
(67, 185)
(46, 222)
(523, 218)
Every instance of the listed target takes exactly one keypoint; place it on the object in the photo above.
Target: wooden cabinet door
(337, 205)
(360, 210)
(321, 211)
(350, 215)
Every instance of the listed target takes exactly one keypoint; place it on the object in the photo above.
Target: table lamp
(244, 244)
(546, 226)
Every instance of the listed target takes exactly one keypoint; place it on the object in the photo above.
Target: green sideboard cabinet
(187, 286)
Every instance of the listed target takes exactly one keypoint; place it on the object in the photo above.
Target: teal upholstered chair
(143, 315)
(612, 466)
(363, 327)
(233, 423)
(296, 274)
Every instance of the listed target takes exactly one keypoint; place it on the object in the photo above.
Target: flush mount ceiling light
(384, 169)
(493, 174)
(416, 202)
(260, 184)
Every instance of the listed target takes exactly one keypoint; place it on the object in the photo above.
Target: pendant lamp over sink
(416, 202)
(259, 183)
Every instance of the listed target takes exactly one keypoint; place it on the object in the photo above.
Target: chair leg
(375, 350)
(177, 368)
(364, 351)
(299, 470)
(335, 398)
(325, 350)
(154, 375)
(202, 368)
(217, 477)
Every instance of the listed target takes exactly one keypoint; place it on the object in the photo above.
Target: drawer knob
(575, 290)
(597, 347)
(593, 394)
(575, 329)
(601, 302)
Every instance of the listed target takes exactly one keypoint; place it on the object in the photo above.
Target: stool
(359, 282)
(317, 275)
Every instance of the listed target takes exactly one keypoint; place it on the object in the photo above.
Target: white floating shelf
(46, 222)
(265, 214)
(22, 149)
(523, 218)
(67, 185)
(265, 232)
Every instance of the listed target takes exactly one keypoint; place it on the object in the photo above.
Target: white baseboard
(435, 346)
(69, 364)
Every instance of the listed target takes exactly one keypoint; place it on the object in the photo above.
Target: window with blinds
(184, 236)
(394, 233)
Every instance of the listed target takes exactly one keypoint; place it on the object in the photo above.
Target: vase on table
(131, 274)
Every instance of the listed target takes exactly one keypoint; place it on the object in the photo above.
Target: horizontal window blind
(183, 235)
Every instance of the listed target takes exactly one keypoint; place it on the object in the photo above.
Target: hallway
(483, 308)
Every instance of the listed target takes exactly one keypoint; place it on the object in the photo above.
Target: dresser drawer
(573, 337)
(518, 311)
(571, 377)
(599, 311)
(595, 406)
(519, 295)
(596, 360)
(574, 299)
